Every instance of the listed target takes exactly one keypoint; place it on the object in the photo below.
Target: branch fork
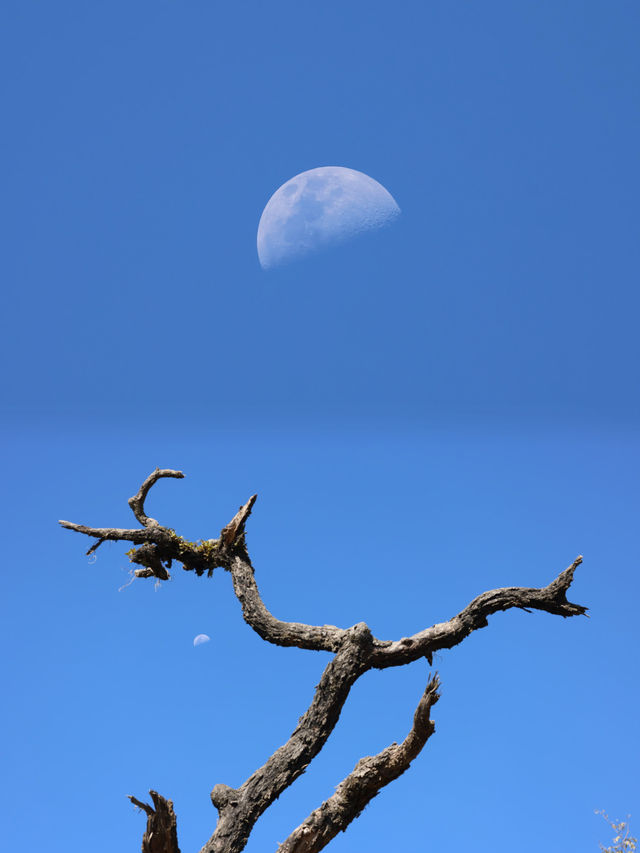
(156, 547)
(355, 651)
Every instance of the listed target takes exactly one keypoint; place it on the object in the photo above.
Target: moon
(320, 208)
(200, 639)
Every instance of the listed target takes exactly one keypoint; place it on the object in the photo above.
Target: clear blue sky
(449, 406)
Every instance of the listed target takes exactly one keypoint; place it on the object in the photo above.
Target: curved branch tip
(137, 501)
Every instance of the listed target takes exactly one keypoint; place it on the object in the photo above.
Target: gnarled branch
(370, 775)
(159, 546)
(240, 808)
(137, 501)
(445, 635)
(326, 638)
(355, 652)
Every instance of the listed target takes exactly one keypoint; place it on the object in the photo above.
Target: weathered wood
(355, 652)
(368, 778)
(161, 834)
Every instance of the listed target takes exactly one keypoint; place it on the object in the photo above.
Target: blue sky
(445, 407)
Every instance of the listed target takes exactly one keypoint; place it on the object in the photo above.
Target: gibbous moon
(321, 208)
(200, 639)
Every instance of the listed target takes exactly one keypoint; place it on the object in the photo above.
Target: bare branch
(240, 808)
(161, 834)
(445, 635)
(159, 546)
(355, 651)
(114, 534)
(317, 637)
(557, 589)
(370, 775)
(137, 501)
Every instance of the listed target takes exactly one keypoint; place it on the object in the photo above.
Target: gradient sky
(445, 407)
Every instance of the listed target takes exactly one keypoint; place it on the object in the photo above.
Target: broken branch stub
(161, 834)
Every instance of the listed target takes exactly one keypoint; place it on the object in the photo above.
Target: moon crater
(320, 208)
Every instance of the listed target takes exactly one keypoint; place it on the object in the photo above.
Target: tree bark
(161, 834)
(355, 652)
(370, 775)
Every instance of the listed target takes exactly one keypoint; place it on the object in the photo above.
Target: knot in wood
(223, 796)
(359, 636)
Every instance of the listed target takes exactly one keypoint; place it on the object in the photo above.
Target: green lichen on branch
(208, 549)
(160, 545)
(156, 557)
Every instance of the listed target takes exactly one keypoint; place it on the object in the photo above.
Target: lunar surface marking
(320, 208)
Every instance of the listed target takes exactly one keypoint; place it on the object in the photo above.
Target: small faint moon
(200, 639)
(321, 208)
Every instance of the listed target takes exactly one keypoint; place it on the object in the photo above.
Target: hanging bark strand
(355, 652)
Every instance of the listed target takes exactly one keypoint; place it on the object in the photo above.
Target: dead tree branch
(355, 652)
(327, 638)
(445, 635)
(137, 501)
(239, 809)
(370, 775)
(161, 834)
